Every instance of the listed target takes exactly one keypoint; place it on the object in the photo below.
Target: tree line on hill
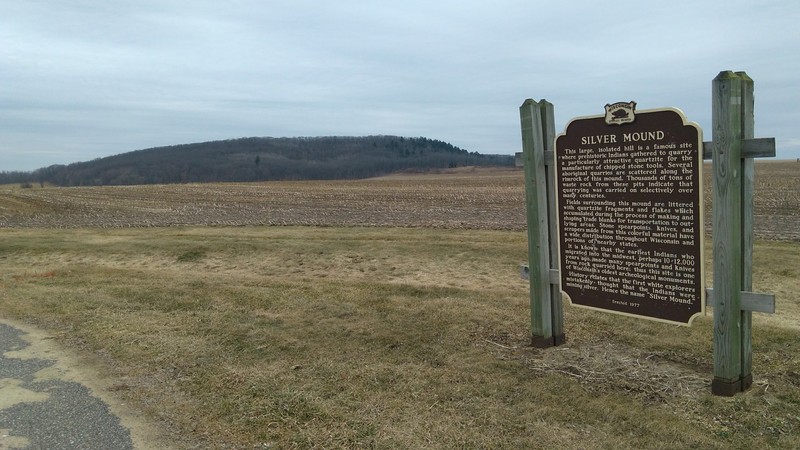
(261, 159)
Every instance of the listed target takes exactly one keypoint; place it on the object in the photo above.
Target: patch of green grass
(193, 255)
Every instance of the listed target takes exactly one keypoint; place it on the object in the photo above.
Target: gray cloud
(84, 79)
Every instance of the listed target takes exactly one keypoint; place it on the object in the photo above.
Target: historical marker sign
(630, 213)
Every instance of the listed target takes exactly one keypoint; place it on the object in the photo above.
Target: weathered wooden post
(727, 226)
(748, 179)
(538, 133)
(733, 150)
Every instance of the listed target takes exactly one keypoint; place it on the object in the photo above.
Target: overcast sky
(82, 79)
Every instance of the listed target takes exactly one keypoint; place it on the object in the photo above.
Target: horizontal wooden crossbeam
(751, 148)
(552, 274)
(751, 301)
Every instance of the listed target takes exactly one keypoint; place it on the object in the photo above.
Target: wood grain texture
(748, 178)
(727, 221)
(751, 148)
(538, 235)
(549, 133)
(538, 137)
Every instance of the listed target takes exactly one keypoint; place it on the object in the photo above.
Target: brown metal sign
(630, 213)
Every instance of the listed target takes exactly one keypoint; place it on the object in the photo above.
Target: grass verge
(386, 338)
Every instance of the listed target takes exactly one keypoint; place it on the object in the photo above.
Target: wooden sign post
(732, 151)
(538, 134)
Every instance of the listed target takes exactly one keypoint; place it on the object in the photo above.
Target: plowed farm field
(464, 198)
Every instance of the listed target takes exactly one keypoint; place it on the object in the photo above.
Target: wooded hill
(262, 159)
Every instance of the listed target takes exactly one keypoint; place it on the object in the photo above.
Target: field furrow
(458, 199)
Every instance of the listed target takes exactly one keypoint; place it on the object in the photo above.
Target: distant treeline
(262, 159)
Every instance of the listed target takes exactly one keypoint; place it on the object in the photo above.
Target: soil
(463, 198)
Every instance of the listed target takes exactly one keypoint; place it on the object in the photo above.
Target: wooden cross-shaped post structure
(732, 151)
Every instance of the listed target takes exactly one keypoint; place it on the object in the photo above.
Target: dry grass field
(387, 313)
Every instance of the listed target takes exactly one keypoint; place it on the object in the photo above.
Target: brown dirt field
(463, 198)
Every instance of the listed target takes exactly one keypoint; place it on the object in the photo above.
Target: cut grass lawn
(386, 338)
